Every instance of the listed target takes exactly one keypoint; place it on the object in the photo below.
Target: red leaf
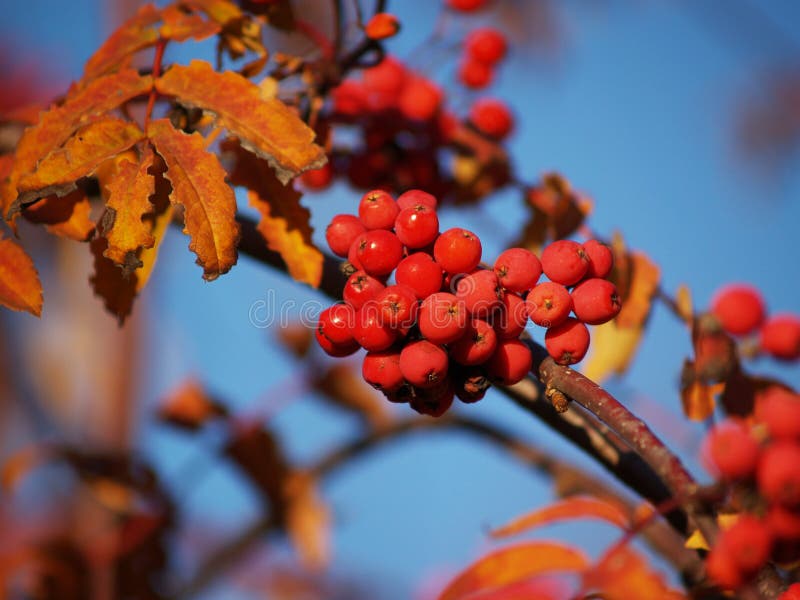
(20, 288)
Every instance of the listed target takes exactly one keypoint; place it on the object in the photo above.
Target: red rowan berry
(419, 99)
(414, 197)
(420, 273)
(491, 117)
(398, 306)
(475, 74)
(485, 45)
(476, 346)
(457, 250)
(317, 179)
(423, 364)
(335, 323)
(378, 210)
(565, 262)
(352, 253)
(481, 293)
(370, 331)
(748, 542)
(779, 410)
(723, 570)
(732, 450)
(387, 78)
(509, 322)
(360, 289)
(518, 269)
(382, 26)
(434, 401)
(336, 350)
(778, 475)
(783, 523)
(382, 370)
(349, 98)
(403, 394)
(780, 337)
(595, 301)
(466, 5)
(342, 232)
(442, 318)
(601, 259)
(417, 226)
(379, 252)
(567, 342)
(548, 304)
(739, 308)
(792, 593)
(510, 362)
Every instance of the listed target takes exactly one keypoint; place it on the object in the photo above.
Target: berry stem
(157, 58)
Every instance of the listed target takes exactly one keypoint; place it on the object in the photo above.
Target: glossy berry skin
(378, 251)
(510, 362)
(548, 304)
(466, 5)
(420, 273)
(476, 346)
(748, 542)
(398, 306)
(485, 45)
(419, 99)
(778, 475)
(474, 74)
(792, 593)
(509, 322)
(415, 197)
(370, 331)
(360, 289)
(565, 262)
(442, 318)
(492, 118)
(457, 251)
(417, 226)
(423, 364)
(434, 401)
(567, 342)
(378, 210)
(595, 301)
(335, 323)
(342, 232)
(382, 370)
(731, 450)
(518, 269)
(335, 350)
(601, 259)
(780, 337)
(480, 292)
(779, 410)
(739, 309)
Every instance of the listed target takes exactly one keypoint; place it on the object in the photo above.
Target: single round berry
(779, 410)
(420, 273)
(342, 232)
(386, 78)
(518, 269)
(595, 301)
(352, 253)
(317, 179)
(360, 289)
(398, 306)
(780, 337)
(739, 308)
(419, 99)
(731, 450)
(567, 342)
(476, 346)
(480, 292)
(778, 475)
(457, 250)
(492, 118)
(434, 401)
(379, 252)
(423, 364)
(349, 99)
(509, 322)
(601, 259)
(565, 262)
(548, 304)
(336, 322)
(475, 74)
(792, 593)
(370, 331)
(442, 318)
(723, 570)
(378, 210)
(466, 5)
(748, 542)
(414, 197)
(485, 45)
(335, 350)
(783, 523)
(417, 226)
(382, 370)
(510, 362)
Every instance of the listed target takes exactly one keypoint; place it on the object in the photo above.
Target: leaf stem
(157, 58)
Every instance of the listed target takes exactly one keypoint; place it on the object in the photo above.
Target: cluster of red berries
(484, 48)
(466, 5)
(761, 462)
(448, 326)
(741, 311)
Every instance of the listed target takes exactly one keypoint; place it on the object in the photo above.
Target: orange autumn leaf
(20, 288)
(307, 520)
(622, 574)
(220, 11)
(699, 399)
(512, 564)
(266, 127)
(180, 25)
(66, 216)
(198, 184)
(576, 507)
(190, 406)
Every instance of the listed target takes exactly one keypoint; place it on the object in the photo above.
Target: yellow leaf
(683, 299)
(698, 400)
(613, 349)
(696, 541)
(20, 288)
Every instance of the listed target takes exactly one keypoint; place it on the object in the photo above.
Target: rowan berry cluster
(484, 48)
(761, 464)
(448, 326)
(741, 311)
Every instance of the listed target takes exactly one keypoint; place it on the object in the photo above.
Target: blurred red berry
(779, 410)
(491, 117)
(732, 450)
(739, 308)
(485, 45)
(778, 473)
(475, 74)
(780, 337)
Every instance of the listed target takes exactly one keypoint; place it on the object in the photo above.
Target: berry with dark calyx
(423, 364)
(379, 252)
(336, 322)
(739, 308)
(567, 342)
(457, 250)
(434, 401)
(476, 346)
(780, 337)
(382, 370)
(370, 331)
(360, 289)
(748, 542)
(732, 450)
(779, 410)
(378, 210)
(510, 320)
(352, 253)
(595, 301)
(518, 269)
(417, 226)
(548, 304)
(398, 306)
(510, 362)
(565, 262)
(485, 45)
(466, 5)
(335, 350)
(342, 232)
(475, 74)
(778, 475)
(415, 197)
(419, 99)
(492, 118)
(442, 318)
(601, 259)
(420, 273)
(481, 293)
